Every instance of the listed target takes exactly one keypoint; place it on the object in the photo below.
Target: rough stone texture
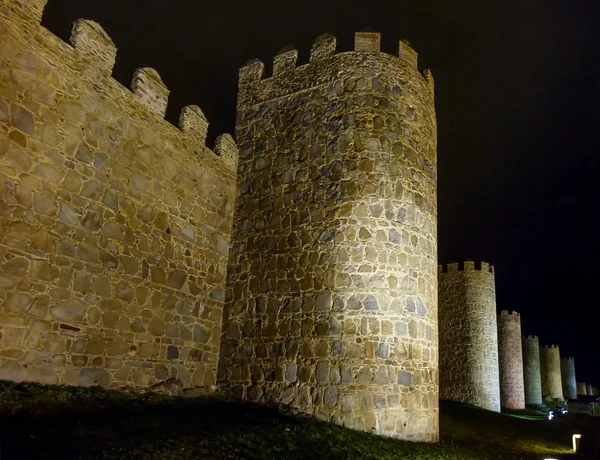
(332, 286)
(581, 389)
(510, 358)
(114, 224)
(469, 336)
(532, 371)
(550, 372)
(569, 380)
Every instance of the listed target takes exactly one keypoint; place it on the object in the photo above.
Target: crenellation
(285, 61)
(367, 42)
(308, 223)
(138, 216)
(151, 91)
(468, 355)
(408, 54)
(532, 371)
(226, 147)
(252, 72)
(94, 44)
(550, 371)
(298, 268)
(323, 48)
(193, 123)
(569, 379)
(510, 356)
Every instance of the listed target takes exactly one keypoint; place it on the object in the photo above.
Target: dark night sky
(517, 92)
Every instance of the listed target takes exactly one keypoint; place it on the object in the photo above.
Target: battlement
(550, 346)
(531, 338)
(568, 358)
(515, 314)
(91, 51)
(467, 265)
(252, 78)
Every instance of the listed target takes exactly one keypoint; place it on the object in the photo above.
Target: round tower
(581, 389)
(332, 285)
(588, 389)
(594, 391)
(510, 358)
(469, 338)
(569, 381)
(532, 370)
(550, 372)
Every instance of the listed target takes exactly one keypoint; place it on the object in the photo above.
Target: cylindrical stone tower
(550, 372)
(569, 381)
(469, 336)
(510, 358)
(581, 389)
(594, 391)
(332, 283)
(588, 389)
(531, 371)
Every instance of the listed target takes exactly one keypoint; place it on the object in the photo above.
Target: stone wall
(569, 380)
(550, 372)
(510, 357)
(594, 391)
(469, 336)
(114, 224)
(332, 287)
(589, 389)
(532, 370)
(581, 388)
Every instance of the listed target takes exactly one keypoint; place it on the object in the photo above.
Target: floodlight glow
(550, 415)
(575, 443)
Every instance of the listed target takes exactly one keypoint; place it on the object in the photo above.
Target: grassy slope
(39, 422)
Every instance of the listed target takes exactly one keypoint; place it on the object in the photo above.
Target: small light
(576, 440)
(550, 415)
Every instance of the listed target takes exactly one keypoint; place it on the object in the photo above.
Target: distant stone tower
(588, 389)
(510, 357)
(550, 372)
(532, 370)
(332, 284)
(594, 391)
(469, 338)
(581, 389)
(569, 381)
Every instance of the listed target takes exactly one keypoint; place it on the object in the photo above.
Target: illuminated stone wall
(114, 224)
(469, 336)
(588, 388)
(532, 370)
(569, 380)
(510, 356)
(581, 388)
(550, 372)
(332, 287)
(594, 391)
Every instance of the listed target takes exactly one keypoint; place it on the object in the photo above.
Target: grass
(55, 422)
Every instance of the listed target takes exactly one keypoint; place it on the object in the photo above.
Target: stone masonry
(114, 224)
(569, 380)
(550, 372)
(469, 336)
(510, 357)
(589, 389)
(332, 285)
(532, 371)
(581, 388)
